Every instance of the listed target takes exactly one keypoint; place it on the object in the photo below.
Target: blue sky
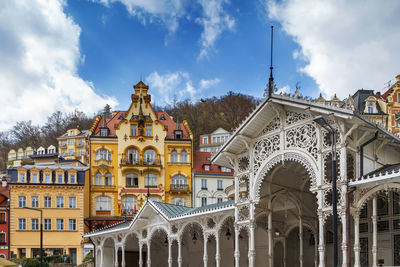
(81, 54)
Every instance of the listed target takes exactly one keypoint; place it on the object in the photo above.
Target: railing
(102, 161)
(139, 162)
(179, 187)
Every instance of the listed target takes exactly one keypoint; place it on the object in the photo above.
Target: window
(71, 141)
(133, 130)
(35, 224)
(60, 202)
(104, 132)
(81, 152)
(47, 202)
(151, 179)
(179, 201)
(60, 224)
(80, 142)
(47, 178)
(132, 179)
(47, 224)
(63, 153)
(183, 156)
(132, 156)
(219, 199)
(224, 169)
(382, 226)
(219, 185)
(22, 177)
(128, 205)
(370, 108)
(72, 132)
(203, 184)
(72, 179)
(207, 167)
(21, 224)
(398, 97)
(22, 201)
(218, 139)
(203, 201)
(35, 179)
(103, 154)
(108, 179)
(63, 143)
(70, 152)
(59, 178)
(98, 179)
(382, 202)
(3, 217)
(174, 156)
(150, 155)
(397, 124)
(72, 224)
(148, 130)
(205, 140)
(179, 179)
(214, 139)
(396, 203)
(72, 202)
(35, 202)
(103, 203)
(2, 238)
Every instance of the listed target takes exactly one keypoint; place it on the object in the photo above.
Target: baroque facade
(281, 212)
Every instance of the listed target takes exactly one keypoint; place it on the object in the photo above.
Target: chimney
(4, 182)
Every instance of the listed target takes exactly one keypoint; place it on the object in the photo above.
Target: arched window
(179, 201)
(174, 156)
(132, 179)
(103, 203)
(150, 179)
(150, 155)
(179, 179)
(132, 156)
(103, 154)
(108, 179)
(184, 156)
(98, 179)
(128, 205)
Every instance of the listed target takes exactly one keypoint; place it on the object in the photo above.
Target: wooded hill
(204, 116)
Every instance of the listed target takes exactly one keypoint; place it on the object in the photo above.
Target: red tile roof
(203, 158)
(110, 123)
(386, 94)
(171, 125)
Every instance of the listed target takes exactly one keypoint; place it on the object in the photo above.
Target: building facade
(136, 154)
(392, 99)
(213, 141)
(73, 145)
(4, 219)
(58, 188)
(209, 180)
(19, 157)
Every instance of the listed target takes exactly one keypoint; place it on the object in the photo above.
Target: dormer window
(72, 132)
(121, 117)
(206, 167)
(370, 108)
(103, 132)
(178, 134)
(162, 117)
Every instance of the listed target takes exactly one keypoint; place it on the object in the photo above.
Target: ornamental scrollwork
(244, 213)
(273, 125)
(264, 148)
(293, 117)
(244, 163)
(304, 137)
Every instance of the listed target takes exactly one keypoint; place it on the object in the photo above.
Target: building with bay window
(74, 145)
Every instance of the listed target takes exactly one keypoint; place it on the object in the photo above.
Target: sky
(82, 54)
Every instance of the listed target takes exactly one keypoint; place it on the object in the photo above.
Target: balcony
(102, 163)
(179, 187)
(139, 162)
(103, 187)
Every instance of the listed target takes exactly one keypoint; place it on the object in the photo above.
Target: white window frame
(72, 202)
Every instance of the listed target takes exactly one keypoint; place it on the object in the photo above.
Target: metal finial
(271, 76)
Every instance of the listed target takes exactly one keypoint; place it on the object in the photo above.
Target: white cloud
(283, 90)
(178, 86)
(39, 55)
(214, 18)
(346, 45)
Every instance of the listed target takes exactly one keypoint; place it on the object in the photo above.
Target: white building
(213, 141)
(209, 180)
(281, 214)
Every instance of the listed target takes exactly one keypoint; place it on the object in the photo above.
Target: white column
(140, 254)
(116, 255)
(356, 217)
(344, 236)
(169, 252)
(321, 245)
(179, 253)
(374, 232)
(316, 250)
(217, 253)
(237, 251)
(252, 250)
(101, 257)
(123, 256)
(301, 241)
(205, 257)
(148, 254)
(270, 241)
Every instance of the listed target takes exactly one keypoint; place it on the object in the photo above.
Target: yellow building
(58, 188)
(135, 153)
(19, 157)
(392, 98)
(73, 145)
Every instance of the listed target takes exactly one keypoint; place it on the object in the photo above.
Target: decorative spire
(271, 76)
(178, 124)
